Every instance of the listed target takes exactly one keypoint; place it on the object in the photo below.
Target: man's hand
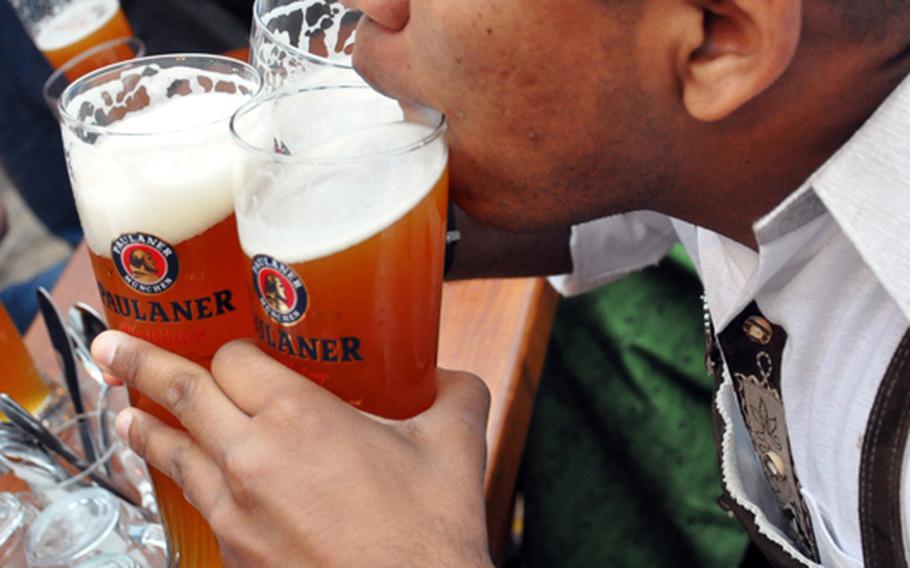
(289, 475)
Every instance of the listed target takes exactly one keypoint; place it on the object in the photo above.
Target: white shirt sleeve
(605, 249)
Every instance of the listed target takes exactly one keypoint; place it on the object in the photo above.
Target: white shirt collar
(865, 187)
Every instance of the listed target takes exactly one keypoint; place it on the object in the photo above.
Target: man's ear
(745, 46)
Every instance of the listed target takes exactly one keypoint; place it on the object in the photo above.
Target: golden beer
(18, 376)
(153, 186)
(203, 310)
(63, 30)
(344, 238)
(371, 330)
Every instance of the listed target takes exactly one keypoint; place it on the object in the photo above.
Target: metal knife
(61, 344)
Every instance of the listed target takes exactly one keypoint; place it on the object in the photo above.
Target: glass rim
(94, 50)
(436, 131)
(67, 119)
(260, 23)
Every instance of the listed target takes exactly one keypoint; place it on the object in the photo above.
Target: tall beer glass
(341, 207)
(149, 154)
(62, 29)
(302, 42)
(18, 376)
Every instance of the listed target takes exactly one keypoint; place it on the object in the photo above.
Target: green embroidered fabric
(620, 467)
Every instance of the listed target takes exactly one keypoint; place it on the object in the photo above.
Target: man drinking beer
(770, 137)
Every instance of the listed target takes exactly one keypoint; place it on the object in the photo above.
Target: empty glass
(86, 524)
(15, 517)
(108, 561)
(302, 42)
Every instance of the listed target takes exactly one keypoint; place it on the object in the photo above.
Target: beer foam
(75, 21)
(300, 212)
(173, 184)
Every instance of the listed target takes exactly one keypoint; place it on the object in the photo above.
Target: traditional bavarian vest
(750, 348)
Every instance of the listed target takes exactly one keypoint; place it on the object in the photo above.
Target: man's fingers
(461, 397)
(255, 382)
(112, 380)
(175, 454)
(459, 414)
(185, 389)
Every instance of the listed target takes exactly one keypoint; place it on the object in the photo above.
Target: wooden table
(497, 329)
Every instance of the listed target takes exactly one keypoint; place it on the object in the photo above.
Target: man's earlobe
(746, 46)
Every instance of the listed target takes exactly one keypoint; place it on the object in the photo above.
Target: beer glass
(302, 41)
(149, 155)
(18, 376)
(341, 206)
(62, 29)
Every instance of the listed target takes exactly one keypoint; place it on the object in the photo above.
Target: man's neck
(745, 181)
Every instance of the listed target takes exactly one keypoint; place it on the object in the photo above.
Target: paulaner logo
(280, 290)
(146, 263)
